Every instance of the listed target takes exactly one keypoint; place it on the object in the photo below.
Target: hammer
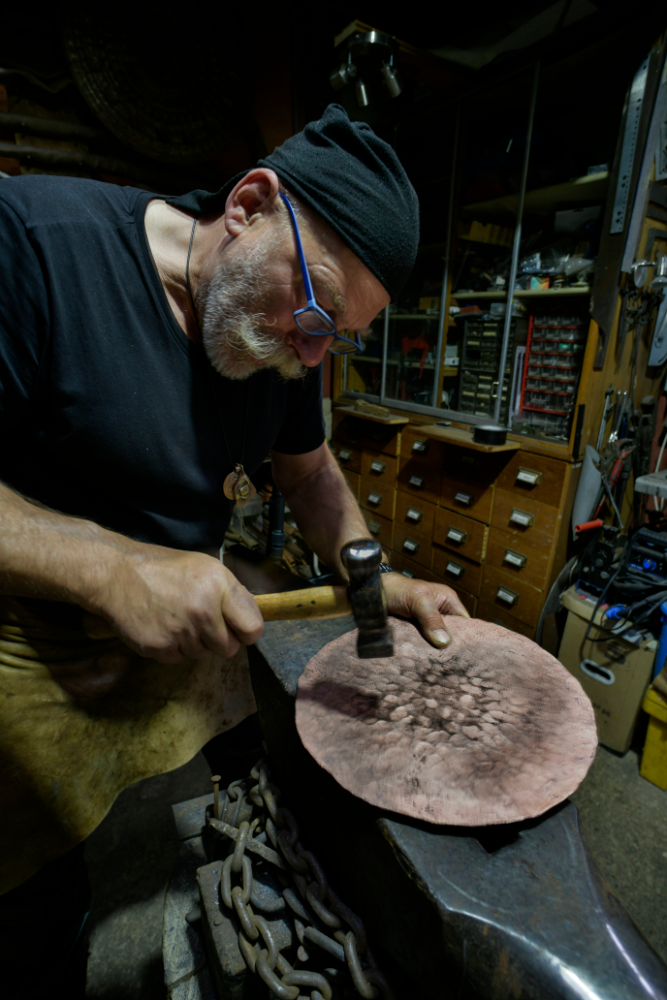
(364, 597)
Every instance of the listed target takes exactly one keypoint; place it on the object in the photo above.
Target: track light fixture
(369, 54)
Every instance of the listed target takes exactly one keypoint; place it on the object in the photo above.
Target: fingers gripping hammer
(364, 597)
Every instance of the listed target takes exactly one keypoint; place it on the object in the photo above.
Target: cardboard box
(614, 674)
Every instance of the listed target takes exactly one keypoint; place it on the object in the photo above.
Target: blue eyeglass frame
(328, 327)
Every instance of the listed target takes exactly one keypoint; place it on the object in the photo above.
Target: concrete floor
(131, 855)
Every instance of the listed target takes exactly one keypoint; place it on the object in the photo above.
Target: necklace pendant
(237, 486)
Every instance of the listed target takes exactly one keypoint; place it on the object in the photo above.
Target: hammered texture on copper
(492, 729)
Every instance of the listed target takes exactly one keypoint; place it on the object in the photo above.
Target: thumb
(431, 621)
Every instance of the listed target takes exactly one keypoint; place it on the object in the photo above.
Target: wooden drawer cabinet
(408, 567)
(413, 512)
(375, 465)
(508, 593)
(529, 563)
(534, 476)
(419, 479)
(352, 479)
(460, 534)
(475, 499)
(381, 528)
(362, 433)
(376, 496)
(491, 613)
(347, 456)
(533, 522)
(414, 544)
(415, 445)
(457, 571)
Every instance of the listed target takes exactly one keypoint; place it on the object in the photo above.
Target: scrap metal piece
(491, 729)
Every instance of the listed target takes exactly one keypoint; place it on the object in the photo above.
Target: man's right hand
(170, 605)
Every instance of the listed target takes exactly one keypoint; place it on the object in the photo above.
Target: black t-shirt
(107, 410)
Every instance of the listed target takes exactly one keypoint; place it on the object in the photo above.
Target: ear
(254, 195)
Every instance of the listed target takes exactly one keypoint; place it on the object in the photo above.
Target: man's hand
(426, 602)
(170, 605)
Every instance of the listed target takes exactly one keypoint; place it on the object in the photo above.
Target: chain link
(314, 906)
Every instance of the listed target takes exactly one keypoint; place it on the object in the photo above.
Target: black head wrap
(354, 181)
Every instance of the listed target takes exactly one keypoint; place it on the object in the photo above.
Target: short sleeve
(302, 429)
(23, 318)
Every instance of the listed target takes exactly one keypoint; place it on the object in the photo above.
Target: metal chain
(314, 906)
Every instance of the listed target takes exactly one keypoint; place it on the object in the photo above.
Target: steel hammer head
(362, 561)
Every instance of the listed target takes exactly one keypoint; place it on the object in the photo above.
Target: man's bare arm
(328, 516)
(162, 602)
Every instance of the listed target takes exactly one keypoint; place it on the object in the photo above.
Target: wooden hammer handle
(314, 602)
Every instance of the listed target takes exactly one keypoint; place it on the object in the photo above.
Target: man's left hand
(426, 602)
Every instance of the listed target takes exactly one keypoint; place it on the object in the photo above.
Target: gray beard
(234, 335)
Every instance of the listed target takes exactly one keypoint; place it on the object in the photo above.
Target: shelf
(526, 293)
(591, 188)
(428, 366)
(431, 316)
(456, 435)
(391, 419)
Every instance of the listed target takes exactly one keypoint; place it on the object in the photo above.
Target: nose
(310, 350)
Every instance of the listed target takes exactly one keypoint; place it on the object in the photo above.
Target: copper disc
(492, 729)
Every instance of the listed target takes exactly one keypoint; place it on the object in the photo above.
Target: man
(119, 312)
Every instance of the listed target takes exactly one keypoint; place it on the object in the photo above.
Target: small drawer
(467, 600)
(361, 433)
(528, 562)
(490, 613)
(456, 570)
(415, 445)
(522, 516)
(413, 512)
(376, 496)
(353, 480)
(414, 544)
(375, 465)
(483, 467)
(504, 591)
(381, 528)
(534, 476)
(476, 499)
(419, 479)
(408, 567)
(460, 534)
(347, 456)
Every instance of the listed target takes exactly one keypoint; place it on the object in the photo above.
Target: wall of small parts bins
(554, 351)
(479, 359)
(491, 526)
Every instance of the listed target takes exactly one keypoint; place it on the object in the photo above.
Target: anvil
(517, 911)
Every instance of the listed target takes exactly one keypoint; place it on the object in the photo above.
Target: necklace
(237, 485)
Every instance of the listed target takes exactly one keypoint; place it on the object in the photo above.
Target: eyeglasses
(313, 320)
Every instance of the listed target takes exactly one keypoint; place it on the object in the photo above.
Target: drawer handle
(414, 515)
(406, 572)
(468, 459)
(420, 446)
(455, 535)
(515, 558)
(374, 527)
(417, 482)
(521, 517)
(528, 476)
(375, 498)
(410, 545)
(454, 569)
(345, 454)
(466, 498)
(378, 467)
(506, 595)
